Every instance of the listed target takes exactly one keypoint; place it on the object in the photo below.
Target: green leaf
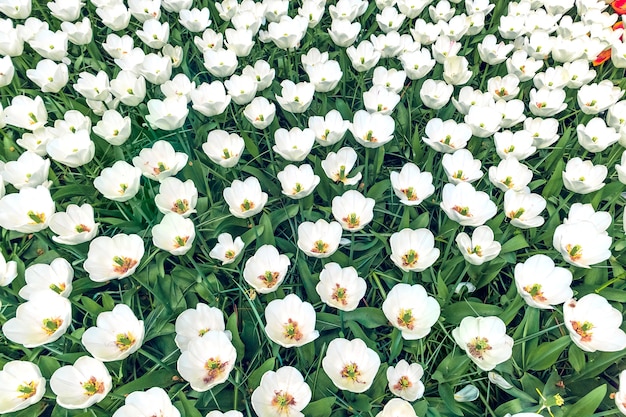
(188, 408)
(456, 312)
(231, 324)
(370, 317)
(576, 358)
(514, 244)
(546, 354)
(254, 380)
(587, 404)
(161, 378)
(320, 408)
(447, 395)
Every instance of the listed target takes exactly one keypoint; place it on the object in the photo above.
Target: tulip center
(352, 220)
(502, 92)
(517, 213)
(584, 330)
(405, 318)
(229, 254)
(282, 401)
(410, 258)
(591, 103)
(369, 137)
(447, 140)
(57, 288)
(508, 181)
(478, 346)
(352, 372)
(340, 295)
(123, 188)
(180, 241)
(269, 278)
(325, 135)
(298, 187)
(80, 228)
(246, 205)
(93, 387)
(180, 206)
(125, 341)
(121, 264)
(575, 252)
(51, 325)
(459, 175)
(215, 368)
(409, 193)
(161, 167)
(476, 250)
(535, 292)
(320, 247)
(341, 176)
(463, 211)
(403, 383)
(260, 118)
(27, 390)
(38, 218)
(292, 330)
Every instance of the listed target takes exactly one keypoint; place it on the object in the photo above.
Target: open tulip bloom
(81, 385)
(290, 321)
(22, 385)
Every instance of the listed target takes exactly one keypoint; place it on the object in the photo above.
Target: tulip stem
(609, 282)
(367, 166)
(379, 285)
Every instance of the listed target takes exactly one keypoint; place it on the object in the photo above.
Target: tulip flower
(281, 392)
(397, 407)
(167, 114)
(350, 364)
(245, 198)
(353, 210)
(290, 321)
(22, 386)
(152, 402)
(341, 288)
(195, 323)
(412, 186)
(466, 206)
(404, 380)
(320, 239)
(262, 73)
(207, 361)
(372, 130)
(295, 98)
(542, 284)
(523, 208)
(411, 310)
(485, 341)
(119, 182)
(260, 112)
(26, 113)
(582, 244)
(27, 211)
(177, 197)
(583, 177)
(174, 234)
(266, 269)
(295, 144)
(56, 277)
(298, 182)
(480, 247)
(227, 250)
(49, 76)
(8, 271)
(29, 170)
(42, 319)
(210, 99)
(160, 161)
(117, 334)
(593, 324)
(113, 128)
(81, 385)
(113, 257)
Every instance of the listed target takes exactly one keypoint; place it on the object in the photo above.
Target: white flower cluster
(421, 47)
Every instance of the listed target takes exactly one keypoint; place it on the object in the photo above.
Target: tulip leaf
(587, 404)
(320, 408)
(267, 238)
(516, 243)
(231, 324)
(160, 378)
(576, 358)
(188, 409)
(546, 354)
(455, 312)
(447, 395)
(369, 317)
(254, 380)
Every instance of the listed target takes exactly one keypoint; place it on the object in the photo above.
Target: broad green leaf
(320, 408)
(546, 354)
(576, 358)
(587, 404)
(455, 312)
(231, 324)
(369, 317)
(188, 409)
(254, 380)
